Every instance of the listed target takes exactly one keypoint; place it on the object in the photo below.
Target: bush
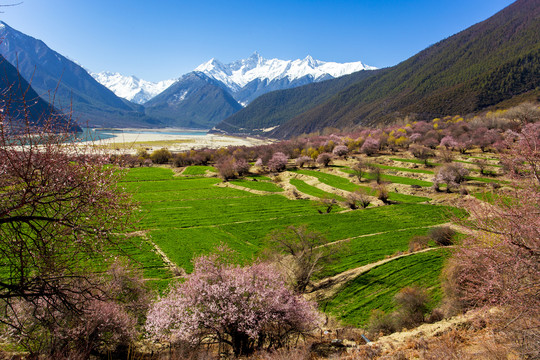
(422, 153)
(442, 235)
(241, 167)
(278, 162)
(418, 242)
(303, 160)
(161, 156)
(370, 146)
(359, 169)
(412, 305)
(340, 150)
(324, 159)
(450, 174)
(382, 192)
(381, 323)
(357, 199)
(225, 168)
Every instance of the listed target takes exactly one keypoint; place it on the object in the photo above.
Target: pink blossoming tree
(246, 308)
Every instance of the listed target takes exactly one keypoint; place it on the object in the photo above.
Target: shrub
(241, 167)
(359, 169)
(452, 174)
(246, 308)
(142, 153)
(382, 192)
(422, 153)
(370, 146)
(442, 235)
(381, 323)
(412, 305)
(278, 162)
(448, 142)
(225, 168)
(340, 150)
(161, 156)
(418, 242)
(446, 155)
(376, 172)
(324, 159)
(303, 160)
(357, 199)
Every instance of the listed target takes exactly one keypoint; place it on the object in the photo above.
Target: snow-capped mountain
(131, 88)
(274, 74)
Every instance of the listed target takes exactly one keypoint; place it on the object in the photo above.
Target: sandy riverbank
(130, 142)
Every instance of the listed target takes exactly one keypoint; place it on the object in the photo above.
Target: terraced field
(188, 215)
(376, 288)
(342, 183)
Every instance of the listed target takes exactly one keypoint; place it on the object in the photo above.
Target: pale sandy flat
(176, 142)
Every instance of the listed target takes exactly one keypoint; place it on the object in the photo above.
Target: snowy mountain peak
(238, 74)
(131, 87)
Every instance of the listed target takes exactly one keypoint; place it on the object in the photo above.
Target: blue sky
(161, 39)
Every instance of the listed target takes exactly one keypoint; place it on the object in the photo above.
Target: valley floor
(130, 142)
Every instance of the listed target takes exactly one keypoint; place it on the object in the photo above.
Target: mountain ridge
(67, 85)
(131, 87)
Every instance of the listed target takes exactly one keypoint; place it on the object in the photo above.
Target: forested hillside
(489, 62)
(278, 107)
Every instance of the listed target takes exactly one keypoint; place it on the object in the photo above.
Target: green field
(364, 250)
(344, 184)
(397, 168)
(376, 288)
(186, 216)
(393, 178)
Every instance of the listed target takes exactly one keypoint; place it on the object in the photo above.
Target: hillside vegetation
(277, 107)
(489, 63)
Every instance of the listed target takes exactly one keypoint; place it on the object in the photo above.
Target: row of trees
(448, 134)
(499, 264)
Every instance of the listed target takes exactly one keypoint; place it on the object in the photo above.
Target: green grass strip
(257, 185)
(305, 188)
(198, 170)
(148, 174)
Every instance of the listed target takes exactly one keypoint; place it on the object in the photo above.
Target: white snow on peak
(130, 87)
(238, 74)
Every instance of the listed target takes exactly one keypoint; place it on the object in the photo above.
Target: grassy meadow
(188, 214)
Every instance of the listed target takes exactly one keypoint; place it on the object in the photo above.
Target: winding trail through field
(328, 287)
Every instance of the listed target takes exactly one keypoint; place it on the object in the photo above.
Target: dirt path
(175, 269)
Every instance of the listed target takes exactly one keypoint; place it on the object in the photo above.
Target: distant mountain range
(194, 101)
(214, 91)
(249, 78)
(131, 88)
(494, 62)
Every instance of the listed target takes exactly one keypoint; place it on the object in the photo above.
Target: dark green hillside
(19, 100)
(194, 101)
(54, 77)
(278, 107)
(489, 62)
